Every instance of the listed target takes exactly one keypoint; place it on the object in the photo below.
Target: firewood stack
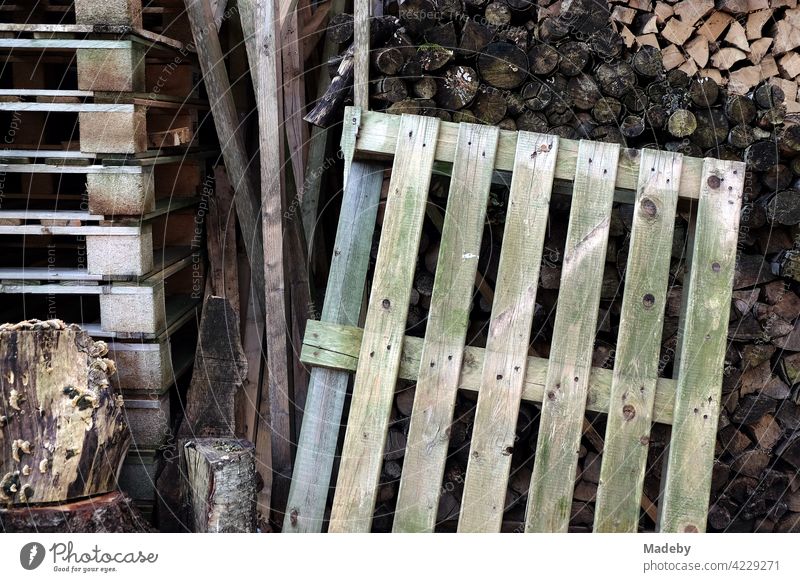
(629, 72)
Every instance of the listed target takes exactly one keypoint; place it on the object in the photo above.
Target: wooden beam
(215, 76)
(377, 139)
(337, 347)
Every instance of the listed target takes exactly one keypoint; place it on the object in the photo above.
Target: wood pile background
(691, 76)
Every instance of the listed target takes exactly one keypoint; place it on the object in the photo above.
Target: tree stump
(62, 428)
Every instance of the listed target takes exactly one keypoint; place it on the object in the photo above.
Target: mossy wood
(503, 374)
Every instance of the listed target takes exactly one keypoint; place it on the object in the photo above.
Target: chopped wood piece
(786, 32)
(737, 36)
(733, 6)
(744, 79)
(690, 11)
(672, 57)
(789, 66)
(221, 484)
(623, 14)
(755, 23)
(503, 65)
(715, 25)
(457, 88)
(677, 32)
(727, 57)
(697, 49)
(759, 48)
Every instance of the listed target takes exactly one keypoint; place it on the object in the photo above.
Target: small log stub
(62, 428)
(221, 485)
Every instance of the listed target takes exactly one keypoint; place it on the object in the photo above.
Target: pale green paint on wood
(633, 388)
(687, 484)
(338, 346)
(327, 387)
(381, 348)
(448, 318)
(505, 359)
(561, 423)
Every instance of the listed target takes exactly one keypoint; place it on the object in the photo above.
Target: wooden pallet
(133, 186)
(78, 246)
(502, 373)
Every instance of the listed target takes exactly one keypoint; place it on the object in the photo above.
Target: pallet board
(503, 374)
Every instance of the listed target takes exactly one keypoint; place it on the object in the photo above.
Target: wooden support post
(215, 76)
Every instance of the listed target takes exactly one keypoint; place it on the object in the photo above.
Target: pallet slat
(316, 447)
(637, 353)
(687, 484)
(560, 426)
(373, 390)
(338, 347)
(448, 319)
(504, 364)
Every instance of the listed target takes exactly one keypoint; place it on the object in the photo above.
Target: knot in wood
(713, 182)
(386, 303)
(649, 208)
(648, 300)
(628, 412)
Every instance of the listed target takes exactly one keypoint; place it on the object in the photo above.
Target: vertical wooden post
(362, 12)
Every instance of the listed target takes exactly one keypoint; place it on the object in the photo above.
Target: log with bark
(63, 434)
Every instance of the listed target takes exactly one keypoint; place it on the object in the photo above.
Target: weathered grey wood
(504, 364)
(362, 10)
(637, 354)
(377, 137)
(316, 447)
(338, 347)
(437, 385)
(317, 163)
(560, 426)
(221, 484)
(226, 121)
(687, 485)
(364, 441)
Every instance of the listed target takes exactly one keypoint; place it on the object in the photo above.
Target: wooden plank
(317, 162)
(361, 16)
(316, 448)
(553, 479)
(68, 107)
(636, 362)
(338, 347)
(62, 43)
(448, 319)
(377, 136)
(506, 354)
(362, 453)
(271, 142)
(687, 484)
(226, 121)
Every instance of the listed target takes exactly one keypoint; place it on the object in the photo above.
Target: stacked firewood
(738, 43)
(620, 71)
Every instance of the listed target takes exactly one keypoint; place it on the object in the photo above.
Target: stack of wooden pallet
(104, 190)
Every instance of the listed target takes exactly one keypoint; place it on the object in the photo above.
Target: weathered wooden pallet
(145, 308)
(112, 125)
(503, 374)
(125, 186)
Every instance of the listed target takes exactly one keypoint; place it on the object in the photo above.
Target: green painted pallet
(503, 374)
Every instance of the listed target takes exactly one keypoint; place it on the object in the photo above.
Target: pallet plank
(338, 347)
(560, 427)
(377, 136)
(373, 390)
(638, 348)
(505, 359)
(316, 447)
(448, 319)
(687, 485)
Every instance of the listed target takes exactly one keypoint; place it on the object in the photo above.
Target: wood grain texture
(316, 447)
(226, 121)
(505, 359)
(377, 136)
(362, 11)
(362, 453)
(638, 348)
(687, 483)
(560, 426)
(338, 347)
(443, 348)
